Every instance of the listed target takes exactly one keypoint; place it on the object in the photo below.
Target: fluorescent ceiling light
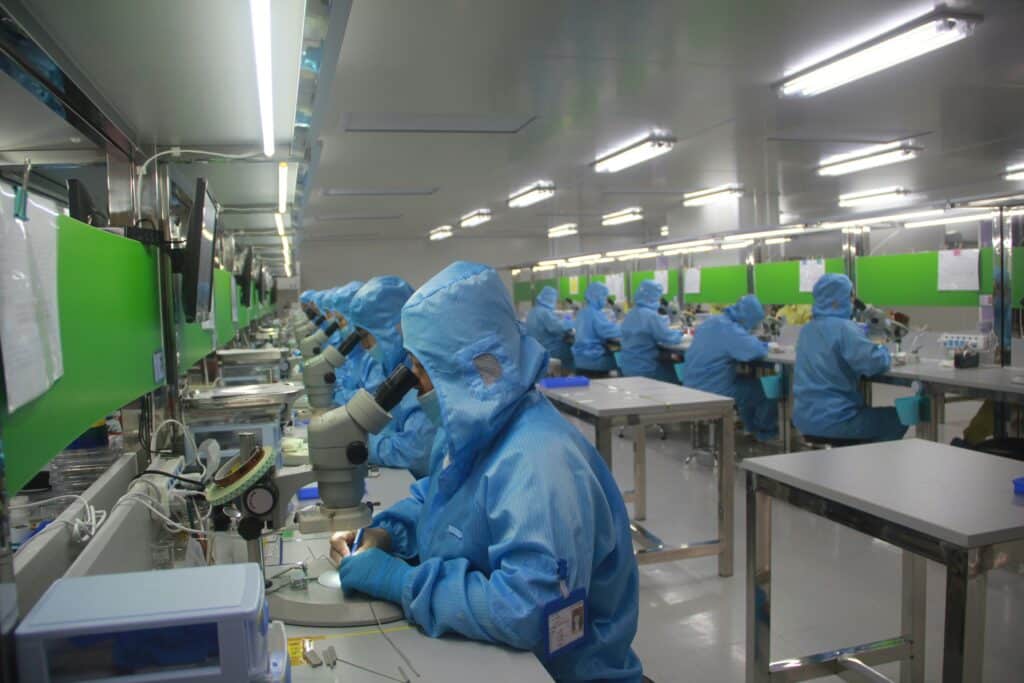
(778, 240)
(634, 213)
(737, 245)
(712, 194)
(441, 232)
(913, 39)
(541, 269)
(1015, 172)
(475, 218)
(880, 195)
(551, 262)
(867, 157)
(879, 220)
(259, 14)
(1005, 199)
(531, 194)
(516, 271)
(627, 252)
(584, 259)
(279, 223)
(664, 231)
(781, 232)
(952, 220)
(862, 230)
(637, 151)
(604, 259)
(282, 187)
(634, 257)
(684, 245)
(563, 230)
(689, 250)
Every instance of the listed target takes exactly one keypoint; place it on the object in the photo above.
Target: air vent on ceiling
(380, 191)
(397, 122)
(357, 217)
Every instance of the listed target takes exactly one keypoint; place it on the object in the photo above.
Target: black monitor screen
(197, 281)
(245, 278)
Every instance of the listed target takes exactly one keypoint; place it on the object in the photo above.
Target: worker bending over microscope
(504, 536)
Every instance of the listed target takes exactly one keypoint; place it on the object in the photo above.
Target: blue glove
(374, 572)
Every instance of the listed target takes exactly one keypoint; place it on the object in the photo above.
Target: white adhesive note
(234, 300)
(958, 270)
(691, 281)
(616, 283)
(574, 284)
(661, 277)
(811, 271)
(29, 315)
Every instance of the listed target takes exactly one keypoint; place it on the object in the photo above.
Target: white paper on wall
(616, 283)
(958, 270)
(574, 284)
(811, 271)
(661, 277)
(691, 281)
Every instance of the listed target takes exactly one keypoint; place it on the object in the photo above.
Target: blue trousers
(870, 424)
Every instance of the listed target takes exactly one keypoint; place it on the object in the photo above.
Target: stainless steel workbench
(949, 505)
(637, 402)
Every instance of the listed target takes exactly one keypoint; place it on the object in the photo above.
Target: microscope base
(314, 604)
(323, 519)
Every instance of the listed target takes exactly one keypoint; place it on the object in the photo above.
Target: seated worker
(347, 376)
(832, 354)
(306, 299)
(544, 325)
(375, 313)
(644, 332)
(489, 544)
(719, 344)
(594, 331)
(572, 305)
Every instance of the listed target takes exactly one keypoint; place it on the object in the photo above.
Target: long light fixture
(531, 194)
(441, 232)
(475, 218)
(259, 14)
(541, 269)
(879, 220)
(279, 223)
(675, 246)
(1015, 172)
(689, 250)
(737, 245)
(864, 158)
(712, 194)
(991, 201)
(917, 37)
(778, 240)
(663, 231)
(952, 220)
(781, 232)
(585, 258)
(879, 195)
(633, 213)
(286, 247)
(635, 257)
(552, 262)
(628, 252)
(635, 152)
(282, 187)
(603, 259)
(563, 230)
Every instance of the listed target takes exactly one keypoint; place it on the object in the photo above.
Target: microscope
(318, 373)
(771, 328)
(250, 494)
(306, 327)
(314, 343)
(881, 328)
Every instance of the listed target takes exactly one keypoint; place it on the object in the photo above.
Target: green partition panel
(194, 344)
(565, 288)
(639, 276)
(223, 281)
(779, 283)
(110, 331)
(522, 291)
(909, 280)
(1017, 262)
(720, 285)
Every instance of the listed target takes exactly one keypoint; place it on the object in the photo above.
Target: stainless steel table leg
(726, 494)
(639, 473)
(936, 410)
(915, 579)
(759, 583)
(603, 440)
(964, 641)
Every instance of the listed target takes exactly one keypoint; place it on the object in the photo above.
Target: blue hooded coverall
(721, 342)
(643, 332)
(593, 329)
(406, 441)
(544, 325)
(346, 376)
(497, 515)
(832, 354)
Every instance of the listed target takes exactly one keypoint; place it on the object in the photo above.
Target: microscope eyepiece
(348, 344)
(332, 328)
(396, 386)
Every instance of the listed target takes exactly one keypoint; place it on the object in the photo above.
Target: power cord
(82, 528)
(178, 151)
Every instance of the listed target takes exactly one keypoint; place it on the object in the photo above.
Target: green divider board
(639, 276)
(194, 344)
(109, 329)
(565, 289)
(1018, 276)
(720, 285)
(908, 280)
(779, 283)
(223, 281)
(522, 291)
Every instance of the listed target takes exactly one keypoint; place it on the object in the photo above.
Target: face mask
(377, 353)
(431, 405)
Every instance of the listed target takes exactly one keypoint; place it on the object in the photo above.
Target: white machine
(955, 341)
(318, 373)
(204, 624)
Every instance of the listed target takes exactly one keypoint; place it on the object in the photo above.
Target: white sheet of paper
(661, 277)
(616, 283)
(574, 284)
(29, 313)
(958, 270)
(234, 300)
(811, 271)
(691, 281)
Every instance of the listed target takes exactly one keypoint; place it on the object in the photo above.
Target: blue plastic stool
(772, 386)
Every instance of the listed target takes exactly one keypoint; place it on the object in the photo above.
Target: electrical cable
(178, 151)
(170, 476)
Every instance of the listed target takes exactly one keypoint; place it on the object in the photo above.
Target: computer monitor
(81, 206)
(197, 267)
(244, 277)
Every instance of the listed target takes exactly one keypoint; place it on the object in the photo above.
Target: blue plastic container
(909, 409)
(1018, 486)
(772, 385)
(311, 492)
(565, 382)
(680, 369)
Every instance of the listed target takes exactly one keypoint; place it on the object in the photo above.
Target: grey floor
(832, 587)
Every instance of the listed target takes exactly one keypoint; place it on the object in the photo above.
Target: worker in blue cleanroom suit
(490, 543)
(593, 331)
(376, 312)
(347, 376)
(719, 344)
(544, 325)
(832, 354)
(644, 332)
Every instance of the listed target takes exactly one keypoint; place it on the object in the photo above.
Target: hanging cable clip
(21, 194)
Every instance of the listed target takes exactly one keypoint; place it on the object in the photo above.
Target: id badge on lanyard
(565, 618)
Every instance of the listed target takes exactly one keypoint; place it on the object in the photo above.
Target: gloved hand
(374, 572)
